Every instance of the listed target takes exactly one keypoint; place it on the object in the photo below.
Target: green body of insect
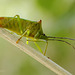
(29, 29)
(34, 28)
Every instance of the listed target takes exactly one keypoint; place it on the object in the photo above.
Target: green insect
(29, 29)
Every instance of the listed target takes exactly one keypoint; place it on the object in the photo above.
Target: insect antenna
(63, 41)
(60, 38)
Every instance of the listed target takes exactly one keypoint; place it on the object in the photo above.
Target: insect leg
(18, 19)
(26, 32)
(20, 26)
(46, 48)
(21, 37)
(39, 46)
(27, 41)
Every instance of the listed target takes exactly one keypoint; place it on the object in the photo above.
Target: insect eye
(44, 34)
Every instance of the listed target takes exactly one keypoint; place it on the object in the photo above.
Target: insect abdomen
(11, 24)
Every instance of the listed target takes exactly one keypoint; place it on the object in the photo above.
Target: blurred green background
(58, 19)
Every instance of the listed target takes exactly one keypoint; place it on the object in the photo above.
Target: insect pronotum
(29, 29)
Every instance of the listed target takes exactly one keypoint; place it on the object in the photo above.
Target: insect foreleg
(46, 48)
(37, 34)
(39, 46)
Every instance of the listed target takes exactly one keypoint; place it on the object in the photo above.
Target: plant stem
(33, 53)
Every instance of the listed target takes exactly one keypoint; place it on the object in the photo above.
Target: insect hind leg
(20, 26)
(18, 19)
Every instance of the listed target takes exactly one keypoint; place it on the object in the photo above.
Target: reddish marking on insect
(40, 21)
(1, 17)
